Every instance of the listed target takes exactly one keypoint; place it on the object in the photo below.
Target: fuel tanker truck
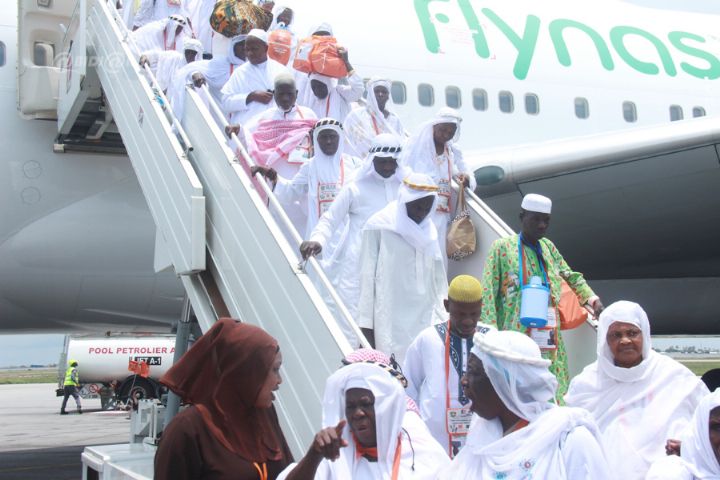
(105, 363)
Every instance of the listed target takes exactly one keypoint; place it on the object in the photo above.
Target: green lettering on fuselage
(526, 43)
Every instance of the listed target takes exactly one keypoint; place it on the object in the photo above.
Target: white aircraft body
(570, 99)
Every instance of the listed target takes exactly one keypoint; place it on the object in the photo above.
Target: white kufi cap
(532, 202)
(259, 34)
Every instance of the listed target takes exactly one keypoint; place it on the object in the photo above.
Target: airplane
(571, 100)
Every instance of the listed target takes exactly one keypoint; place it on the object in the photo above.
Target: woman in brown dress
(231, 431)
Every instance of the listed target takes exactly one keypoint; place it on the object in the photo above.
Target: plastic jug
(534, 301)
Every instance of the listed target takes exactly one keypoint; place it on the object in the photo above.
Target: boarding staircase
(222, 231)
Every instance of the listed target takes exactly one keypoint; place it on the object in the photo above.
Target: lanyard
(327, 106)
(375, 127)
(165, 40)
(232, 68)
(447, 382)
(521, 262)
(263, 473)
(396, 460)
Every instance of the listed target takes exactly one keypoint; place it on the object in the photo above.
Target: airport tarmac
(38, 443)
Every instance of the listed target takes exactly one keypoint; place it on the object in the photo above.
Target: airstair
(222, 231)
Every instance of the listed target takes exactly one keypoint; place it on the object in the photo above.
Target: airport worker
(329, 98)
(437, 360)
(166, 34)
(374, 187)
(367, 435)
(434, 151)
(699, 457)
(231, 429)
(502, 285)
(249, 91)
(153, 10)
(638, 397)
(366, 122)
(320, 179)
(521, 433)
(402, 279)
(71, 384)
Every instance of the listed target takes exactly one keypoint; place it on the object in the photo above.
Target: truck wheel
(141, 388)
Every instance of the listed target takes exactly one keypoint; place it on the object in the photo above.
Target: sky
(33, 349)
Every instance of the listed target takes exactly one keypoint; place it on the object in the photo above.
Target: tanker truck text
(129, 350)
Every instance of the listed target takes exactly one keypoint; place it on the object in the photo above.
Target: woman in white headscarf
(521, 433)
(638, 397)
(161, 35)
(402, 279)
(152, 10)
(368, 437)
(365, 123)
(434, 151)
(699, 450)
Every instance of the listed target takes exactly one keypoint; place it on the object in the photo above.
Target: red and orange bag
(318, 54)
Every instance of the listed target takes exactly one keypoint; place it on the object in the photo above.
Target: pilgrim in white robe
(637, 409)
(420, 156)
(364, 123)
(402, 280)
(199, 12)
(357, 202)
(159, 36)
(424, 368)
(697, 459)
(221, 67)
(338, 102)
(420, 456)
(245, 80)
(152, 10)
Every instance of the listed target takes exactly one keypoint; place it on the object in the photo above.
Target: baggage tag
(551, 318)
(326, 193)
(458, 421)
(545, 338)
(444, 193)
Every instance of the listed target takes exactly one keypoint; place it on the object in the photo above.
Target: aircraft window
(629, 112)
(426, 95)
(452, 97)
(582, 108)
(507, 104)
(532, 104)
(676, 113)
(398, 93)
(480, 100)
(2, 54)
(698, 112)
(43, 54)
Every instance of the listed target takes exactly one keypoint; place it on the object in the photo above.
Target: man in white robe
(519, 433)
(199, 12)
(152, 10)
(638, 397)
(365, 123)
(249, 92)
(437, 360)
(375, 186)
(434, 151)
(402, 279)
(329, 98)
(367, 434)
(166, 65)
(162, 35)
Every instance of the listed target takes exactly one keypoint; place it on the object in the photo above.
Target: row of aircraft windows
(506, 102)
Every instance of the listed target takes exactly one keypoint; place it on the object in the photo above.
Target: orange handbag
(572, 314)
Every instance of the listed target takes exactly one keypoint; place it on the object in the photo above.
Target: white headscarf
(327, 168)
(321, 27)
(384, 145)
(394, 217)
(696, 451)
(277, 10)
(421, 455)
(520, 377)
(159, 34)
(636, 408)
(420, 154)
(219, 68)
(194, 45)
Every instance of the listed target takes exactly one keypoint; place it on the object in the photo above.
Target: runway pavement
(38, 443)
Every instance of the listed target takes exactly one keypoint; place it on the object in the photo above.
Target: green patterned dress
(501, 292)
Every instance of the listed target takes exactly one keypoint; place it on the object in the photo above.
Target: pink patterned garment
(273, 140)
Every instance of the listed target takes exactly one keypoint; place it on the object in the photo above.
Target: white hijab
(327, 168)
(362, 134)
(421, 455)
(696, 451)
(521, 378)
(636, 408)
(384, 145)
(219, 68)
(394, 217)
(420, 154)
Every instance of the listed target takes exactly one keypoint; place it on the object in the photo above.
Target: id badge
(545, 338)
(326, 195)
(443, 196)
(301, 153)
(551, 318)
(458, 421)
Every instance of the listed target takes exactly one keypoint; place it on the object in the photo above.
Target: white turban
(194, 45)
(517, 371)
(532, 202)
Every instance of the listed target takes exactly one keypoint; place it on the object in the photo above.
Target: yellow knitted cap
(465, 288)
